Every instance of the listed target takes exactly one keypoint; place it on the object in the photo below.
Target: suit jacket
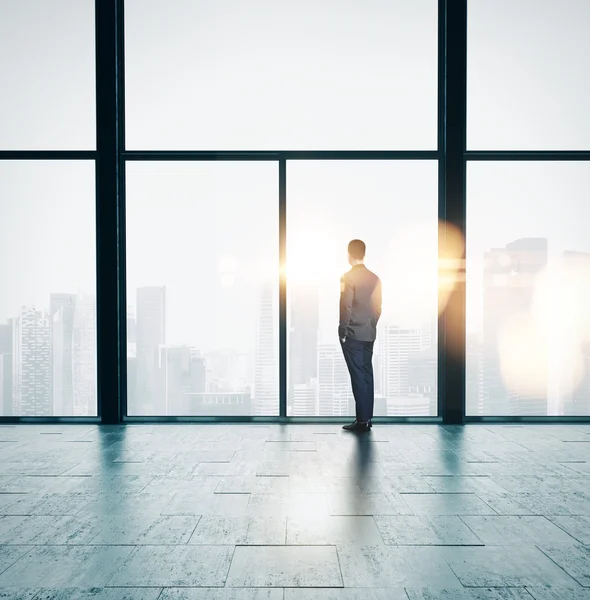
(360, 304)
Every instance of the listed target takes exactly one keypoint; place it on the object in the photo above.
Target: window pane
(202, 288)
(48, 274)
(267, 75)
(392, 206)
(528, 290)
(47, 75)
(528, 75)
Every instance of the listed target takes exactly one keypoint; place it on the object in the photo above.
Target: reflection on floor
(243, 512)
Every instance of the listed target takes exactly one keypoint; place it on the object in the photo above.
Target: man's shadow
(363, 459)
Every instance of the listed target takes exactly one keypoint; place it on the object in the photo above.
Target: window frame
(111, 157)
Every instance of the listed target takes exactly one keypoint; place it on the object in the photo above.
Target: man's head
(356, 252)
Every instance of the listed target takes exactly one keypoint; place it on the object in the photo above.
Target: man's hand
(343, 340)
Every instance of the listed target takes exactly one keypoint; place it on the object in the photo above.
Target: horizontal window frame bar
(275, 420)
(526, 155)
(8, 420)
(48, 155)
(489, 419)
(161, 156)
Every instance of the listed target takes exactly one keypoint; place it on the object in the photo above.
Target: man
(360, 309)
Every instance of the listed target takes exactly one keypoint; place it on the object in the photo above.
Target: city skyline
(50, 354)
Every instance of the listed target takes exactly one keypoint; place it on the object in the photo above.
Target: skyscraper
(305, 399)
(474, 384)
(423, 376)
(151, 333)
(6, 385)
(266, 385)
(509, 281)
(303, 336)
(84, 382)
(396, 346)
(31, 363)
(182, 373)
(574, 385)
(62, 359)
(57, 300)
(334, 389)
(6, 368)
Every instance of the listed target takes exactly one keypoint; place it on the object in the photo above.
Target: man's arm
(346, 296)
(377, 299)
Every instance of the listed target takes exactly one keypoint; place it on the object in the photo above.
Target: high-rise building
(31, 363)
(303, 337)
(84, 382)
(182, 372)
(423, 376)
(266, 385)
(474, 382)
(131, 326)
(219, 404)
(509, 280)
(574, 385)
(334, 389)
(57, 300)
(6, 368)
(62, 358)
(227, 371)
(305, 399)
(151, 334)
(396, 345)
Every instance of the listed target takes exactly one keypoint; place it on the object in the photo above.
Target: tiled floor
(298, 512)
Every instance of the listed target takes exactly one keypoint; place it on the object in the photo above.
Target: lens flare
(542, 349)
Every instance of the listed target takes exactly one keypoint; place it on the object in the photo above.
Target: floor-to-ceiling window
(209, 83)
(246, 145)
(392, 206)
(47, 209)
(202, 288)
(528, 209)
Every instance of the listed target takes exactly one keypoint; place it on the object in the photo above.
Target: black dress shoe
(357, 426)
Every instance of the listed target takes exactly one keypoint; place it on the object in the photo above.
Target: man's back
(360, 304)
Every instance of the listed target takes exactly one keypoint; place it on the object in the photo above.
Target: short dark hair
(357, 249)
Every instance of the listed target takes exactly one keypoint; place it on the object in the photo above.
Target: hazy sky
(288, 74)
(47, 231)
(528, 75)
(47, 78)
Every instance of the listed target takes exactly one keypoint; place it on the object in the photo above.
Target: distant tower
(62, 339)
(574, 392)
(6, 369)
(84, 382)
(31, 364)
(304, 399)
(183, 374)
(334, 389)
(509, 279)
(303, 338)
(474, 385)
(397, 344)
(151, 334)
(266, 385)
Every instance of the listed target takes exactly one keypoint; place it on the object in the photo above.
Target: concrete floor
(298, 512)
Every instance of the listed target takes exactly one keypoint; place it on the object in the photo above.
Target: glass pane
(392, 207)
(528, 290)
(47, 75)
(202, 288)
(267, 75)
(48, 274)
(528, 75)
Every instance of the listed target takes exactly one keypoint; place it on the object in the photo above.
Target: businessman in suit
(360, 309)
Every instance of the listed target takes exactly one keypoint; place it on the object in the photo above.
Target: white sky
(283, 75)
